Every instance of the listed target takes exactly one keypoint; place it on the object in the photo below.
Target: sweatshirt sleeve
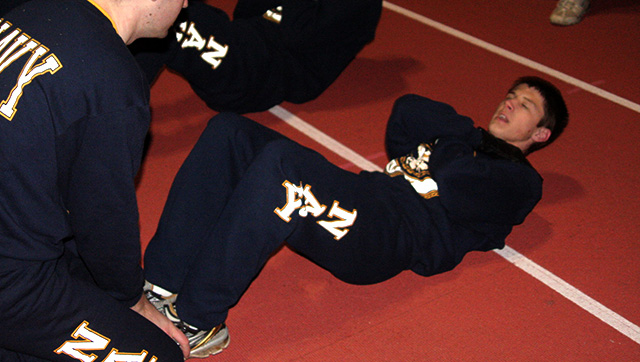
(415, 119)
(475, 187)
(102, 202)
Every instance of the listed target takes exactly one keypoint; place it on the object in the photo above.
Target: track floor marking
(514, 57)
(565, 289)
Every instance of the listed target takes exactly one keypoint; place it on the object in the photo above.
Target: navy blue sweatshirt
(484, 185)
(74, 113)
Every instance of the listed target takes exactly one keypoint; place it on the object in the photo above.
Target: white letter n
(91, 341)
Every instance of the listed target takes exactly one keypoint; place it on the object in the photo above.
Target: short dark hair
(556, 115)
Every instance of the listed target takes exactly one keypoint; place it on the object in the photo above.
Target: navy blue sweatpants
(52, 311)
(259, 63)
(243, 191)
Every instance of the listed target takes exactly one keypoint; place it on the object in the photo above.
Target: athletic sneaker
(203, 343)
(569, 12)
(159, 297)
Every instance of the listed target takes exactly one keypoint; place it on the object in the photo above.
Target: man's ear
(541, 134)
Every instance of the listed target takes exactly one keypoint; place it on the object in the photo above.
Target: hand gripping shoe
(203, 343)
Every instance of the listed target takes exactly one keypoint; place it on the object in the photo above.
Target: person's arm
(102, 202)
(475, 187)
(415, 119)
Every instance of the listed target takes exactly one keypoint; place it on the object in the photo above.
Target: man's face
(517, 117)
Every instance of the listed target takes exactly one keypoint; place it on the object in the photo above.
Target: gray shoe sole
(214, 345)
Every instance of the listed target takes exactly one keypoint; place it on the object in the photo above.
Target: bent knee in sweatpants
(288, 153)
(227, 121)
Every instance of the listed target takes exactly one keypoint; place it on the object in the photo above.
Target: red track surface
(585, 230)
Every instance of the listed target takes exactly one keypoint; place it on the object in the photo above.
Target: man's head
(532, 115)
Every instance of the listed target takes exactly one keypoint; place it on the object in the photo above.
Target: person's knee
(406, 101)
(287, 158)
(224, 126)
(226, 122)
(284, 150)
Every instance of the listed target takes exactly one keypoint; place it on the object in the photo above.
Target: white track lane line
(587, 303)
(514, 57)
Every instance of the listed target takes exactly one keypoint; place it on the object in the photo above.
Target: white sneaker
(569, 12)
(159, 297)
